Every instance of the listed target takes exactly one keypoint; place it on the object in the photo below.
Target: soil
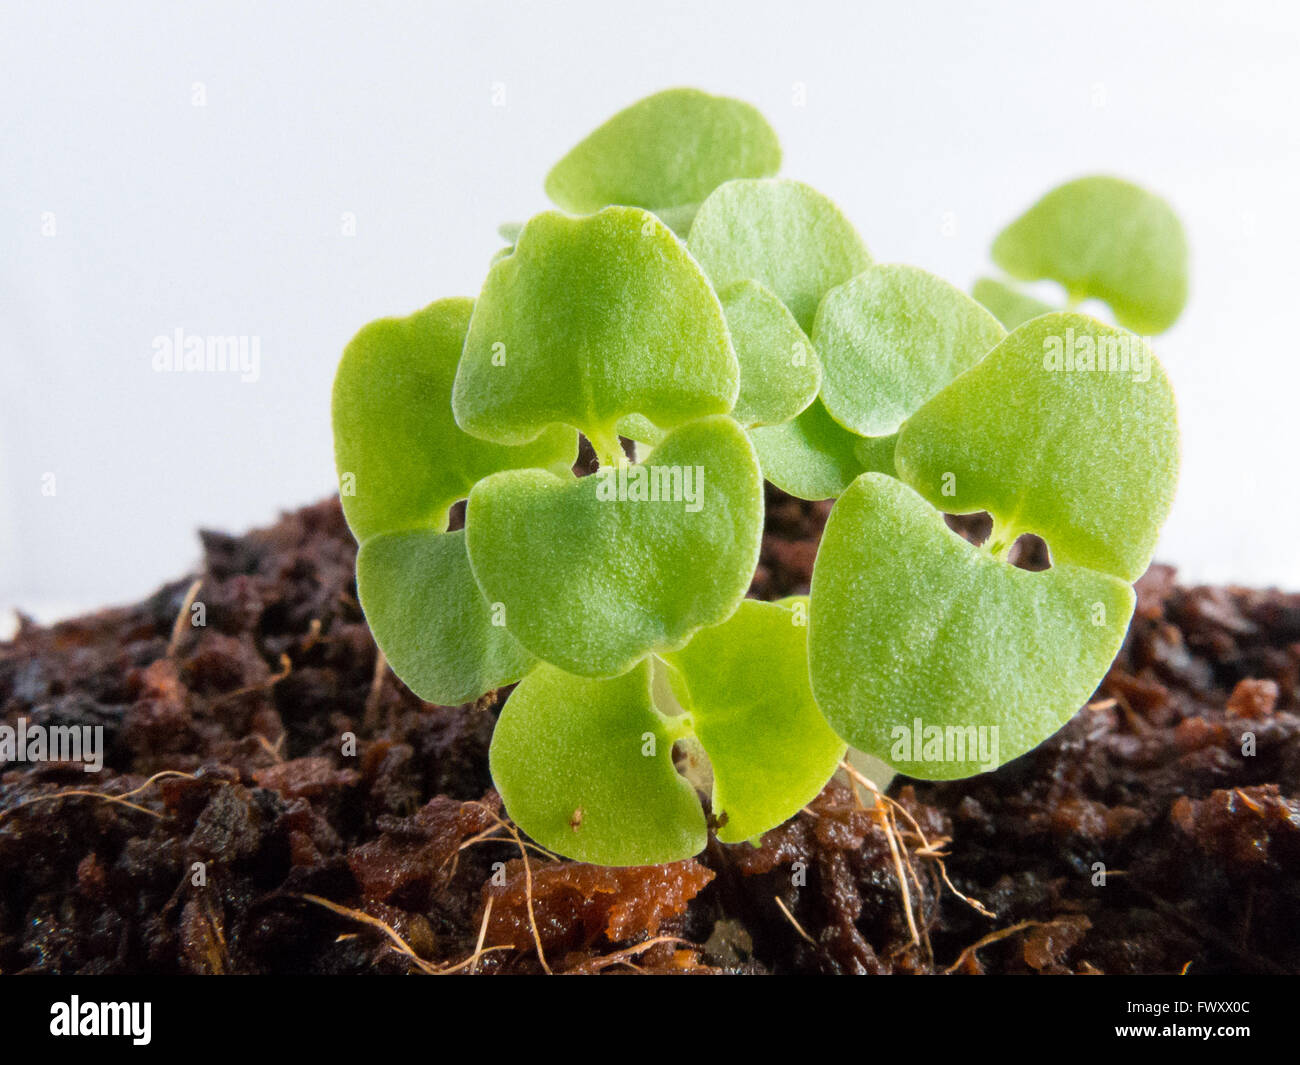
(1159, 831)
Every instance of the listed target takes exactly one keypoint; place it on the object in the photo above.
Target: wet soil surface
(272, 802)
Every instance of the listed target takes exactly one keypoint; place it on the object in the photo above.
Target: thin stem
(679, 726)
(608, 448)
(1000, 540)
(677, 720)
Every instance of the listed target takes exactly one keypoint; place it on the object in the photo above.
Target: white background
(931, 124)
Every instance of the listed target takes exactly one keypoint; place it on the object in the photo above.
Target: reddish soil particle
(1046, 945)
(1242, 826)
(1253, 698)
(305, 778)
(1160, 827)
(574, 905)
(412, 854)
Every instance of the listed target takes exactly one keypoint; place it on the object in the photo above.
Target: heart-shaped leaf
(588, 320)
(1107, 239)
(1067, 429)
(876, 454)
(889, 339)
(679, 219)
(430, 619)
(672, 148)
(402, 459)
(779, 370)
(585, 767)
(1010, 305)
(784, 235)
(596, 573)
(745, 685)
(938, 658)
(813, 456)
(640, 429)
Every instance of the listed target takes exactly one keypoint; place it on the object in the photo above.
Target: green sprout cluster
(733, 328)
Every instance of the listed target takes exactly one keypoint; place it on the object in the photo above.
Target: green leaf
(910, 623)
(784, 235)
(591, 319)
(585, 767)
(593, 576)
(745, 685)
(1009, 304)
(779, 370)
(1085, 458)
(672, 148)
(641, 429)
(678, 218)
(876, 453)
(1107, 239)
(811, 457)
(430, 619)
(889, 339)
(395, 441)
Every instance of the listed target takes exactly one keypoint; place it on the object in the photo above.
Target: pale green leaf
(811, 457)
(639, 428)
(585, 767)
(779, 370)
(402, 459)
(744, 684)
(784, 235)
(430, 619)
(876, 453)
(1010, 305)
(889, 339)
(593, 575)
(1107, 239)
(1067, 429)
(591, 319)
(672, 148)
(679, 218)
(911, 628)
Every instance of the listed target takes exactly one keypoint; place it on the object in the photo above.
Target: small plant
(734, 326)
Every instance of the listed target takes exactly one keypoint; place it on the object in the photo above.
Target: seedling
(729, 326)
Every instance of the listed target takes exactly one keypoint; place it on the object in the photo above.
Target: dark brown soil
(272, 850)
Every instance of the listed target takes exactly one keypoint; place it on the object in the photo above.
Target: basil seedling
(733, 326)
